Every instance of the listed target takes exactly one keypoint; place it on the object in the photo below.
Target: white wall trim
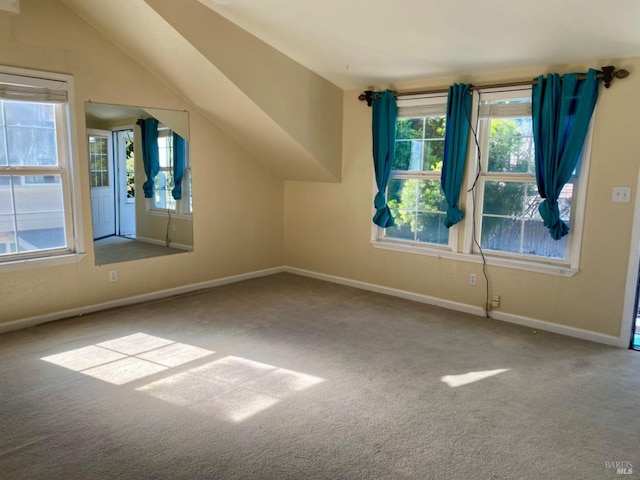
(628, 315)
(162, 243)
(463, 307)
(145, 297)
(416, 297)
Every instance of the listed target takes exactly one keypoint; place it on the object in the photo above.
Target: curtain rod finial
(607, 75)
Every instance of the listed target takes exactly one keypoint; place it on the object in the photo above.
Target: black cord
(472, 190)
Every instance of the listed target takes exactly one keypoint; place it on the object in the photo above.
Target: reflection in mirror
(140, 178)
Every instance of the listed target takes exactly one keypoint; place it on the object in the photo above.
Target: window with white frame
(164, 181)
(501, 204)
(507, 215)
(414, 194)
(36, 207)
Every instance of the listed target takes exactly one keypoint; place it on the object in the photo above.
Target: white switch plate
(621, 195)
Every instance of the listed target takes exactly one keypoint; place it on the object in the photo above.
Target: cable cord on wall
(474, 230)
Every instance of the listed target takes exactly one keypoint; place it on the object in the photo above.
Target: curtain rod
(606, 73)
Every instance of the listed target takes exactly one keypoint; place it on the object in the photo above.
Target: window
(36, 216)
(501, 210)
(507, 195)
(414, 194)
(164, 181)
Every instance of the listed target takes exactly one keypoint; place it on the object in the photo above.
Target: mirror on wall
(140, 180)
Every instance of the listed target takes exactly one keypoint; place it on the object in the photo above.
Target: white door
(103, 205)
(126, 182)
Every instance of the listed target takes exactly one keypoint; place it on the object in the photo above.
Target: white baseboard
(162, 243)
(145, 297)
(416, 297)
(462, 307)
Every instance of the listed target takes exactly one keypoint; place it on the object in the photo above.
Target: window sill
(41, 262)
(563, 270)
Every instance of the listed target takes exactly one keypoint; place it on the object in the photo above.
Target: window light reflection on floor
(471, 377)
(232, 388)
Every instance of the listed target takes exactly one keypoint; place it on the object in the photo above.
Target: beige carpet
(121, 249)
(286, 377)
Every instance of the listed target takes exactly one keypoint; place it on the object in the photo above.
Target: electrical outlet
(173, 227)
(495, 301)
(473, 279)
(113, 276)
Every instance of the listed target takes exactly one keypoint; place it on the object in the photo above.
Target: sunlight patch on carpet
(471, 377)
(231, 388)
(125, 359)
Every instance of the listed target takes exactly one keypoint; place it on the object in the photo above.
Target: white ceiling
(359, 43)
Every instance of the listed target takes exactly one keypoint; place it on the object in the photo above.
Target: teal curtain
(384, 114)
(455, 149)
(179, 158)
(561, 113)
(150, 156)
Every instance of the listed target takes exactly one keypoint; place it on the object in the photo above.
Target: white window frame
(464, 250)
(566, 267)
(414, 107)
(19, 83)
(182, 206)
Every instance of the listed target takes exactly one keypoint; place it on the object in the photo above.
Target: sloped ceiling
(274, 118)
(270, 72)
(359, 43)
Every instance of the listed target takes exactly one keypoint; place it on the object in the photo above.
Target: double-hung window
(36, 203)
(414, 194)
(507, 197)
(501, 201)
(164, 181)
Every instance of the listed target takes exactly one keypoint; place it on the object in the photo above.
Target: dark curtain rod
(607, 74)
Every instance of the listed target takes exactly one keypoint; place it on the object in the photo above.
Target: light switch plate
(621, 195)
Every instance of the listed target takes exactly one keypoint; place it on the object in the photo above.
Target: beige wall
(238, 218)
(328, 226)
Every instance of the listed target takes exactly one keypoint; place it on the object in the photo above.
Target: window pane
(418, 210)
(430, 196)
(8, 243)
(30, 114)
(3, 151)
(409, 128)
(431, 228)
(39, 213)
(502, 234)
(511, 146)
(504, 198)
(403, 229)
(433, 155)
(511, 221)
(5, 195)
(164, 151)
(32, 146)
(537, 241)
(408, 155)
(434, 127)
(31, 196)
(163, 186)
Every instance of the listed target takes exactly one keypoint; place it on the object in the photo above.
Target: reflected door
(103, 205)
(126, 182)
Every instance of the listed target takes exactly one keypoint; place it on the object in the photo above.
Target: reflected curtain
(384, 114)
(179, 158)
(455, 149)
(561, 113)
(150, 156)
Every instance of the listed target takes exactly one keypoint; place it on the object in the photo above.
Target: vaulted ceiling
(271, 73)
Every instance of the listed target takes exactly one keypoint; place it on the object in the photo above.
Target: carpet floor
(286, 377)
